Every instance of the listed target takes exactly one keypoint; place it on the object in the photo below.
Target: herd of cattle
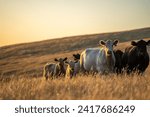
(102, 60)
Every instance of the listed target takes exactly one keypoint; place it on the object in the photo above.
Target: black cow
(76, 57)
(118, 64)
(135, 57)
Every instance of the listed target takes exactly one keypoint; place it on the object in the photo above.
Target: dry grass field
(22, 66)
(82, 87)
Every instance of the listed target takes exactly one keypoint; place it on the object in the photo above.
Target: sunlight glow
(34, 20)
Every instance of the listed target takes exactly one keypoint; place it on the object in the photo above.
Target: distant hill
(30, 57)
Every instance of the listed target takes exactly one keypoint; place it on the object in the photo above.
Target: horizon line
(63, 37)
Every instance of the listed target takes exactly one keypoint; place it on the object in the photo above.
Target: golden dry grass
(81, 87)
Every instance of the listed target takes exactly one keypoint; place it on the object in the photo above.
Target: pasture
(82, 87)
(22, 68)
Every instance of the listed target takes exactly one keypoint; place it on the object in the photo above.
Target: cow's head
(71, 65)
(141, 46)
(108, 46)
(61, 61)
(76, 57)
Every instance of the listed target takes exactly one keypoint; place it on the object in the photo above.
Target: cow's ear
(55, 59)
(148, 42)
(115, 42)
(74, 55)
(133, 43)
(65, 59)
(102, 42)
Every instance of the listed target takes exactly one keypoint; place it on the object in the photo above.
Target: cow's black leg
(140, 70)
(129, 69)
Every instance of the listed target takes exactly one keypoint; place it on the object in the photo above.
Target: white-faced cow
(135, 57)
(55, 69)
(101, 60)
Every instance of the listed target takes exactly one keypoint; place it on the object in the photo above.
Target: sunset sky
(34, 20)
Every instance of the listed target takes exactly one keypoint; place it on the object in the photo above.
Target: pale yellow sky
(34, 20)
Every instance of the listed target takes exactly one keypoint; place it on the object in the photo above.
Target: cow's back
(131, 60)
(50, 67)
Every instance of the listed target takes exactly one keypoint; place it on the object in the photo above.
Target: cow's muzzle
(109, 52)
